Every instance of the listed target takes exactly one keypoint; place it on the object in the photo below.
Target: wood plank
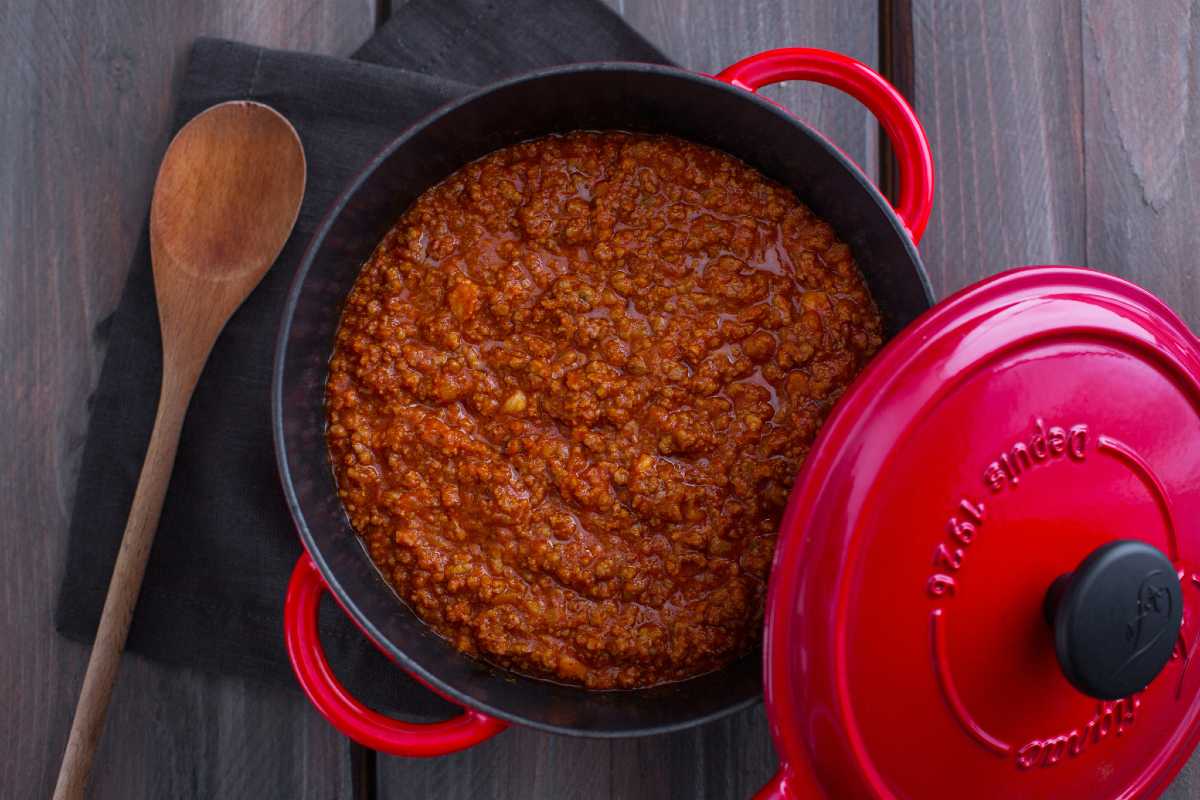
(998, 90)
(1141, 93)
(88, 97)
(734, 757)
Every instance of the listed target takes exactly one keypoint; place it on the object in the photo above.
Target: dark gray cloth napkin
(214, 588)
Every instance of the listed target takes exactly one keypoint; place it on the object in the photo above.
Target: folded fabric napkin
(214, 587)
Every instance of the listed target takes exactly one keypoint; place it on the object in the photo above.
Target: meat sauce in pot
(570, 392)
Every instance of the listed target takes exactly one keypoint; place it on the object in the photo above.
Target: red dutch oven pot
(985, 577)
(722, 112)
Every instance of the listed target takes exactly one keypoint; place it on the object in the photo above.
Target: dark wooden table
(1064, 132)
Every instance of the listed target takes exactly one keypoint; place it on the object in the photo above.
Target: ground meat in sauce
(569, 394)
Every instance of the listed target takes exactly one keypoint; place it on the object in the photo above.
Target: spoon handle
(124, 587)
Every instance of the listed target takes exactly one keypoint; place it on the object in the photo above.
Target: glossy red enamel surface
(365, 726)
(989, 448)
(913, 156)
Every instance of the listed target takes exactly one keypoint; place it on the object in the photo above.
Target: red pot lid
(1000, 442)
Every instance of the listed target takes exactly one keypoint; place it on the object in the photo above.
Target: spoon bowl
(226, 199)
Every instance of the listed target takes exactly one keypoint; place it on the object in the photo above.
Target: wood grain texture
(998, 89)
(732, 758)
(1141, 144)
(88, 93)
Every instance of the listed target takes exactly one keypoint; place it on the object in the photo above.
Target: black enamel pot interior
(630, 97)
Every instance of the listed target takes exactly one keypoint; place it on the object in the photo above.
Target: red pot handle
(873, 91)
(792, 782)
(367, 727)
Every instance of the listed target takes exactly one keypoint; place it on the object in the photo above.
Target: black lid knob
(1116, 619)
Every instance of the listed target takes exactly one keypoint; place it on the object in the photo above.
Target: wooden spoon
(225, 201)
